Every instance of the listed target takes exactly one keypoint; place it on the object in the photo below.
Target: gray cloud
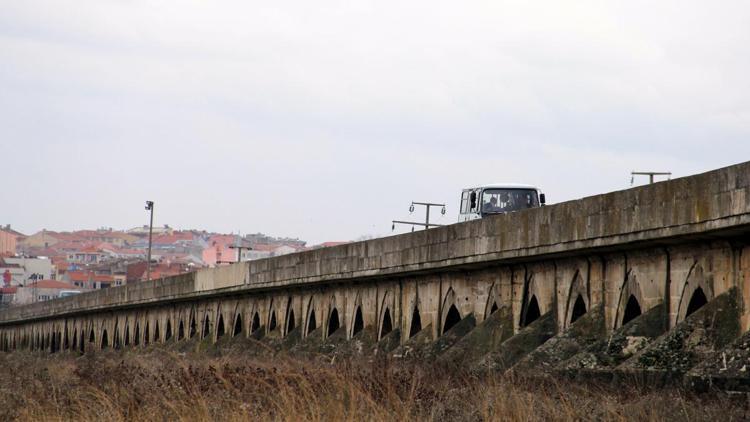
(325, 120)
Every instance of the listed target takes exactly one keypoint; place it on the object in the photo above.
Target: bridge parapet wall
(682, 207)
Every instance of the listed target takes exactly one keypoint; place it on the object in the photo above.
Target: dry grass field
(163, 384)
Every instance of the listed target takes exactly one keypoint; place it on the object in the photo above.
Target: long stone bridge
(652, 278)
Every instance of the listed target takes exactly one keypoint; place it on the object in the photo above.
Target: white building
(266, 251)
(24, 270)
(41, 291)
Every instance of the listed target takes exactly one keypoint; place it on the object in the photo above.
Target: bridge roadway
(624, 253)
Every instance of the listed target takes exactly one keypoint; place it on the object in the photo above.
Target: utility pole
(650, 175)
(426, 223)
(149, 207)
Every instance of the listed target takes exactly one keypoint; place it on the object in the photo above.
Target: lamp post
(149, 207)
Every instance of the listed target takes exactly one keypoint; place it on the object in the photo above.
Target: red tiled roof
(130, 251)
(224, 239)
(9, 290)
(50, 284)
(97, 234)
(265, 248)
(168, 239)
(86, 276)
(13, 232)
(62, 236)
(78, 276)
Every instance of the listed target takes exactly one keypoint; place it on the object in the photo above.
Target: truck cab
(500, 198)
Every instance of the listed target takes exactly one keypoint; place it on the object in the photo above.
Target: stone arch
(630, 294)
(146, 334)
(533, 304)
(220, 326)
(75, 337)
(289, 321)
(66, 339)
(415, 322)
(105, 339)
(57, 338)
(632, 310)
(579, 309)
(696, 291)
(532, 311)
(577, 304)
(137, 334)
(255, 326)
(180, 330)
(237, 330)
(206, 329)
(168, 331)
(696, 301)
(52, 342)
(310, 322)
(272, 321)
(451, 316)
(116, 340)
(493, 301)
(356, 323)
(126, 337)
(92, 336)
(193, 325)
(157, 333)
(334, 321)
(386, 315)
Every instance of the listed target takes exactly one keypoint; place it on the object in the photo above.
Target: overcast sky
(324, 120)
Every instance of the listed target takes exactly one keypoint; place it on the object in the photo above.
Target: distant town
(50, 264)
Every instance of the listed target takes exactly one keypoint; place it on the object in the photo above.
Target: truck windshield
(496, 201)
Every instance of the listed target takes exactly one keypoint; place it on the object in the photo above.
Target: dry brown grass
(159, 384)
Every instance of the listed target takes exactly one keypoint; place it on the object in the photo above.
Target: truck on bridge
(482, 201)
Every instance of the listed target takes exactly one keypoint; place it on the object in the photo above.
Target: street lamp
(149, 207)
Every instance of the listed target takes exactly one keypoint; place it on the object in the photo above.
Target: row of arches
(324, 314)
(145, 332)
